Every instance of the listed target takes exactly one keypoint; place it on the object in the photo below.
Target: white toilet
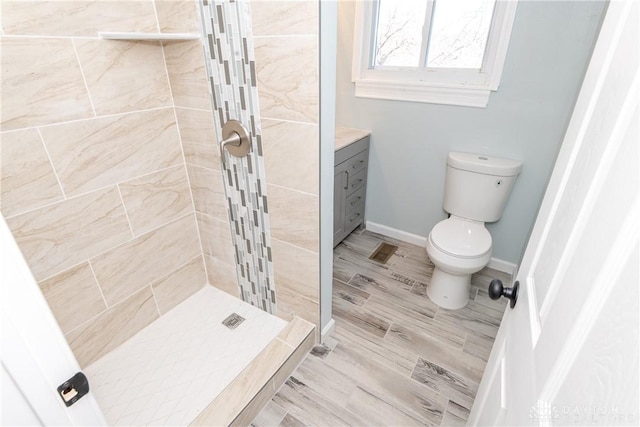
(476, 191)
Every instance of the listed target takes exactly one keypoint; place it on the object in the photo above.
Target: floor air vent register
(383, 252)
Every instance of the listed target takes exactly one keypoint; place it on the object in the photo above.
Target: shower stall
(166, 261)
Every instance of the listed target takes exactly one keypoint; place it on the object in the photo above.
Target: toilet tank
(477, 186)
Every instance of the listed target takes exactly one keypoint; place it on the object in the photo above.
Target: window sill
(416, 92)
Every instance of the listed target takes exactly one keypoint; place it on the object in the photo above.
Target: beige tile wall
(108, 145)
(287, 50)
(95, 185)
(189, 85)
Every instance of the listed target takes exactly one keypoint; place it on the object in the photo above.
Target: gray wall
(526, 119)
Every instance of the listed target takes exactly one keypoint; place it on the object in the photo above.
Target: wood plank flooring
(395, 358)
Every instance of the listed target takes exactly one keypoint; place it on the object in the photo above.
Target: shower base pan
(188, 368)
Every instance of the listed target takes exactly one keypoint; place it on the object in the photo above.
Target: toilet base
(449, 291)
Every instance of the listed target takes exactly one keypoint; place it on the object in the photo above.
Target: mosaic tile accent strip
(230, 62)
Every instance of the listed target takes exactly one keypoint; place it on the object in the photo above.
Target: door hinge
(74, 388)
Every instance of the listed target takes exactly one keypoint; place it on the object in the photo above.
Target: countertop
(346, 136)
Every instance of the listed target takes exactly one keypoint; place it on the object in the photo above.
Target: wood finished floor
(395, 358)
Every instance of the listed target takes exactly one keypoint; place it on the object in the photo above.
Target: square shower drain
(233, 320)
(383, 252)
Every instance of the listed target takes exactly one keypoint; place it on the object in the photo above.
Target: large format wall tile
(57, 237)
(180, 284)
(291, 154)
(296, 269)
(73, 296)
(156, 199)
(137, 263)
(189, 84)
(287, 70)
(198, 138)
(113, 327)
(292, 304)
(271, 18)
(294, 217)
(123, 76)
(208, 191)
(41, 83)
(131, 158)
(91, 154)
(28, 180)
(216, 238)
(222, 276)
(286, 49)
(76, 17)
(178, 16)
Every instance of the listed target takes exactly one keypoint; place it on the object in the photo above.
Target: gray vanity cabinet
(350, 187)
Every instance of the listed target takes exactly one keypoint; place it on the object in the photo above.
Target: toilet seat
(461, 238)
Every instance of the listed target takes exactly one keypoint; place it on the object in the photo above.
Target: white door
(567, 354)
(35, 356)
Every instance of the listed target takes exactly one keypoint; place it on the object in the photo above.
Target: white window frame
(451, 86)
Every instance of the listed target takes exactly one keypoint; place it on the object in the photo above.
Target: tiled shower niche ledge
(188, 368)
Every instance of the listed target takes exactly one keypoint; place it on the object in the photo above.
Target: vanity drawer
(356, 181)
(355, 199)
(358, 162)
(354, 217)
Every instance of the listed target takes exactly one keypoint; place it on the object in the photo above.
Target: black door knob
(497, 290)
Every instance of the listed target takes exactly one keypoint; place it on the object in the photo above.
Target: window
(438, 51)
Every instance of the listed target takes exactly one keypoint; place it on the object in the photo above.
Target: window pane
(459, 31)
(399, 35)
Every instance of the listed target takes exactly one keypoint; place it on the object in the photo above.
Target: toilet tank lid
(481, 163)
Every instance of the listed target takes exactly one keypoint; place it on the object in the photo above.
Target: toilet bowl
(458, 248)
(476, 191)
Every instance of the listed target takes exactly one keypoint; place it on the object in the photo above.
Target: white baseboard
(495, 263)
(397, 234)
(327, 330)
(504, 266)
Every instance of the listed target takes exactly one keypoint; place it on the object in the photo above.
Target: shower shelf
(148, 36)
